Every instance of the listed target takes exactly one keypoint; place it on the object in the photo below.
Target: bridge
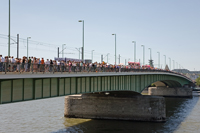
(105, 95)
(22, 87)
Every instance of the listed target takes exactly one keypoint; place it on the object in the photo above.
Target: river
(46, 116)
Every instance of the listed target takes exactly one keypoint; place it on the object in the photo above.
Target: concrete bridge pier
(170, 92)
(116, 105)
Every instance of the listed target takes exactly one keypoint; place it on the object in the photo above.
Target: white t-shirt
(47, 62)
(12, 60)
(2, 59)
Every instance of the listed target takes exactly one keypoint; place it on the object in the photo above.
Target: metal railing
(52, 68)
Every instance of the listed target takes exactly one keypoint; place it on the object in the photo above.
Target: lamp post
(115, 50)
(9, 30)
(83, 40)
(165, 60)
(158, 59)
(134, 50)
(143, 54)
(173, 64)
(27, 46)
(150, 54)
(63, 50)
(92, 55)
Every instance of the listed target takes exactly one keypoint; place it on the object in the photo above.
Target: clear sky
(171, 27)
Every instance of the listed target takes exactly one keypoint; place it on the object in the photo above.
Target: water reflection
(46, 115)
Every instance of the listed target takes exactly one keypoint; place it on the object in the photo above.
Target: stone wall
(138, 108)
(166, 91)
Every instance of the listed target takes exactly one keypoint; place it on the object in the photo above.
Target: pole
(150, 54)
(115, 50)
(58, 52)
(169, 63)
(17, 45)
(143, 54)
(62, 51)
(9, 32)
(125, 61)
(83, 44)
(27, 48)
(79, 53)
(83, 41)
(165, 61)
(101, 58)
(139, 60)
(107, 57)
(82, 53)
(134, 50)
(119, 58)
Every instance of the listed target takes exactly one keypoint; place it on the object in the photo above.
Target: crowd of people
(33, 64)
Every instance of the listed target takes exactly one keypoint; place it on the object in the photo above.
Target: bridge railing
(47, 68)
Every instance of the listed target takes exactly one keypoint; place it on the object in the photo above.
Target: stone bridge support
(115, 106)
(170, 92)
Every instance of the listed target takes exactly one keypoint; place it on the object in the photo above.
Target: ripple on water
(46, 115)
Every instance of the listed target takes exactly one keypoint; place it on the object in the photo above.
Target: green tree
(198, 81)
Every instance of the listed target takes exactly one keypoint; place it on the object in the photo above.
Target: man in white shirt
(12, 60)
(58, 66)
(47, 63)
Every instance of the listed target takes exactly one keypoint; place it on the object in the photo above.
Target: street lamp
(134, 50)
(150, 54)
(9, 31)
(165, 61)
(83, 41)
(115, 50)
(27, 46)
(173, 64)
(143, 54)
(158, 59)
(63, 50)
(92, 55)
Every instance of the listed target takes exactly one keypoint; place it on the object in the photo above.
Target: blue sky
(168, 26)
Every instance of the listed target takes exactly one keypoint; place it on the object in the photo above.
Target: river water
(46, 115)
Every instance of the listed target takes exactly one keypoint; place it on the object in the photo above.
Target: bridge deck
(83, 74)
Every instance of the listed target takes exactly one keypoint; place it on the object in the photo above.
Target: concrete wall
(166, 91)
(138, 108)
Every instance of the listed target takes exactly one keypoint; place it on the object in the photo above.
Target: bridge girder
(21, 89)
